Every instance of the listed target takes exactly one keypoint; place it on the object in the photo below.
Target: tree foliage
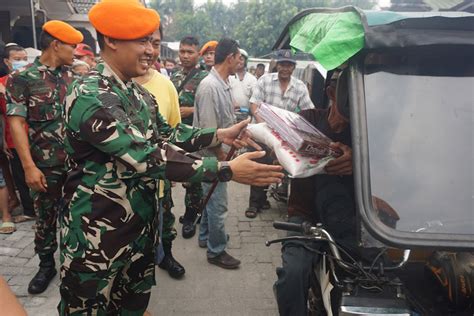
(256, 24)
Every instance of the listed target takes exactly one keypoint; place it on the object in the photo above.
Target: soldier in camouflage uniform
(35, 96)
(186, 80)
(118, 145)
(207, 52)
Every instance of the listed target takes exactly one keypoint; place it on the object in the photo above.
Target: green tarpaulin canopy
(333, 37)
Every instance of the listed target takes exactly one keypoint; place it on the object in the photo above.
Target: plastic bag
(297, 165)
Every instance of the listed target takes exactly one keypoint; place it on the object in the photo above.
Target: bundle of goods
(297, 165)
(300, 148)
(300, 134)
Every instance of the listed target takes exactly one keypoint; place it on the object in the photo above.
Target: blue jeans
(212, 226)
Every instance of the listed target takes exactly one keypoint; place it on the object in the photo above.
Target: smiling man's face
(135, 56)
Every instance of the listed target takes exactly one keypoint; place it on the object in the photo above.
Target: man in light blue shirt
(214, 108)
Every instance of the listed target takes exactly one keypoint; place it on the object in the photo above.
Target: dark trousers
(258, 195)
(169, 232)
(334, 208)
(294, 276)
(19, 179)
(192, 201)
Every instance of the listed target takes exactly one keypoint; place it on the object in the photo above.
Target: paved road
(205, 289)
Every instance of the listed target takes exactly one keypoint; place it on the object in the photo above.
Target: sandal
(251, 212)
(23, 218)
(7, 228)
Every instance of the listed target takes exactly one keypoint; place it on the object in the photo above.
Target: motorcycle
(378, 288)
(366, 290)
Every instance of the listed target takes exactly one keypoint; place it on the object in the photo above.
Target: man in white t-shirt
(242, 84)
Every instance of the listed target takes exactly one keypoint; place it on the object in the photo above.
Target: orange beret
(123, 19)
(62, 31)
(210, 44)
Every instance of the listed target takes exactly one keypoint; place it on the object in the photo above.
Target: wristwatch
(225, 172)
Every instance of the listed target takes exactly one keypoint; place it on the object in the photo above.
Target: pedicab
(410, 83)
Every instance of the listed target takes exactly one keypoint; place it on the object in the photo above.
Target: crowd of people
(97, 142)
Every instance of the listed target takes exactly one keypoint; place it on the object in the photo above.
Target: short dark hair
(170, 60)
(100, 40)
(45, 40)
(160, 29)
(189, 40)
(12, 48)
(226, 47)
(261, 66)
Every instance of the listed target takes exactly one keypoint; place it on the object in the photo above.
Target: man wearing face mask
(15, 57)
(35, 96)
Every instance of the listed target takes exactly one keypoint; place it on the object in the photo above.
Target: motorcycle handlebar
(320, 233)
(299, 228)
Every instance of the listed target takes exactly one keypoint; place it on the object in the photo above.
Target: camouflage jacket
(187, 94)
(37, 93)
(117, 145)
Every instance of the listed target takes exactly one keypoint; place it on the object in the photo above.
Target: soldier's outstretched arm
(245, 170)
(237, 135)
(192, 139)
(105, 127)
(91, 121)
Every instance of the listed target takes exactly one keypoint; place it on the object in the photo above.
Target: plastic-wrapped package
(297, 165)
(298, 133)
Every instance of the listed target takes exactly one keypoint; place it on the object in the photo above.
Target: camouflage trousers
(47, 206)
(169, 231)
(192, 200)
(121, 290)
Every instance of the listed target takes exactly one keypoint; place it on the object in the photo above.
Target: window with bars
(82, 6)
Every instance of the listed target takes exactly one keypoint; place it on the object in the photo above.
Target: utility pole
(33, 23)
